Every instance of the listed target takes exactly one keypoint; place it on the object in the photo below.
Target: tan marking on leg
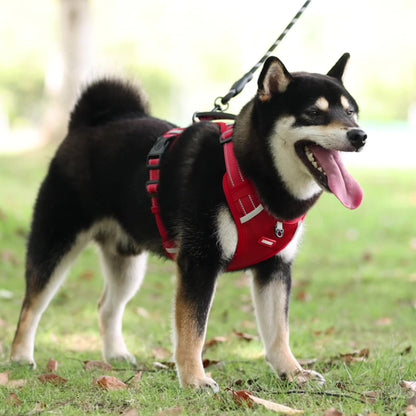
(189, 343)
(23, 342)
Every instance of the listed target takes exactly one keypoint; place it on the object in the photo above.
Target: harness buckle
(160, 146)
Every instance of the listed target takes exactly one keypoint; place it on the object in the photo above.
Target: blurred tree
(67, 73)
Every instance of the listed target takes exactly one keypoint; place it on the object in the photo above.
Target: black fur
(99, 173)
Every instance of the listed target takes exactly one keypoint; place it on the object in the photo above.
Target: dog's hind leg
(271, 292)
(123, 277)
(46, 270)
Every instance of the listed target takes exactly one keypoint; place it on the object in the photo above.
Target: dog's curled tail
(107, 100)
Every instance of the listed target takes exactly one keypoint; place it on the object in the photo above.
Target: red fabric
(260, 234)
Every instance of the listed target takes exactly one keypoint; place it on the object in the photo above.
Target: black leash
(238, 86)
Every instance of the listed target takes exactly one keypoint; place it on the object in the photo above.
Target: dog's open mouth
(330, 172)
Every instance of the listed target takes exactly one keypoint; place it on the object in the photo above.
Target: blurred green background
(186, 53)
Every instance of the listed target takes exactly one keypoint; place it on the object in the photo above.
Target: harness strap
(260, 234)
(152, 185)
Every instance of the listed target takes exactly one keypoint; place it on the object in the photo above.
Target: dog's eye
(350, 112)
(312, 112)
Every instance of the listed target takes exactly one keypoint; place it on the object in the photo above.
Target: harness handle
(239, 85)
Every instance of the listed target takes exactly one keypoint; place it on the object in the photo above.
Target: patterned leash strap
(238, 86)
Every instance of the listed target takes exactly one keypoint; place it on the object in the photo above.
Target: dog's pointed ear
(274, 79)
(337, 71)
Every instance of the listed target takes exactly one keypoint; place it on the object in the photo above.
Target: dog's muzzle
(357, 138)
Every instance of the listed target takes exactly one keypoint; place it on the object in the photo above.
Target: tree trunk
(67, 74)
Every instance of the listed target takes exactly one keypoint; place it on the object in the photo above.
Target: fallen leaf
(161, 353)
(328, 331)
(4, 378)
(173, 411)
(303, 296)
(166, 365)
(385, 321)
(356, 356)
(130, 412)
(370, 397)
(215, 341)
(244, 336)
(136, 380)
(243, 397)
(52, 379)
(206, 362)
(109, 383)
(17, 384)
(410, 410)
(97, 365)
(52, 366)
(333, 412)
(411, 387)
(13, 400)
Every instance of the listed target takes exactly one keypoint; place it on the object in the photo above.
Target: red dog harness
(260, 234)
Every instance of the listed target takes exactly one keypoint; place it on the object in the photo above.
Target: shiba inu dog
(287, 142)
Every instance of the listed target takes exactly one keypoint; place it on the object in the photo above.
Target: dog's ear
(337, 71)
(274, 79)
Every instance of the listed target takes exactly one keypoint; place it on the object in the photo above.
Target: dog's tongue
(340, 182)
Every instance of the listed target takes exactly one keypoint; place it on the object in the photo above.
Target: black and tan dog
(287, 141)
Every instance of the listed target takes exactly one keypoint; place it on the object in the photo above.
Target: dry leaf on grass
(52, 366)
(17, 384)
(161, 353)
(173, 411)
(245, 336)
(243, 397)
(97, 365)
(206, 362)
(410, 410)
(109, 383)
(215, 341)
(136, 380)
(370, 396)
(52, 379)
(13, 400)
(356, 356)
(333, 412)
(4, 378)
(411, 387)
(130, 412)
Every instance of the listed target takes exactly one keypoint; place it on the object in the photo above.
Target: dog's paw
(302, 377)
(126, 358)
(206, 384)
(23, 362)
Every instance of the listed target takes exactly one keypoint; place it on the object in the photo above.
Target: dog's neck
(255, 158)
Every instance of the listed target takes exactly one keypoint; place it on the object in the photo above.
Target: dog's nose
(357, 138)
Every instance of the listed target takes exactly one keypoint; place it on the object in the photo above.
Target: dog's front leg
(196, 286)
(271, 292)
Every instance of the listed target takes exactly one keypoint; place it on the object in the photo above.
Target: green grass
(354, 288)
